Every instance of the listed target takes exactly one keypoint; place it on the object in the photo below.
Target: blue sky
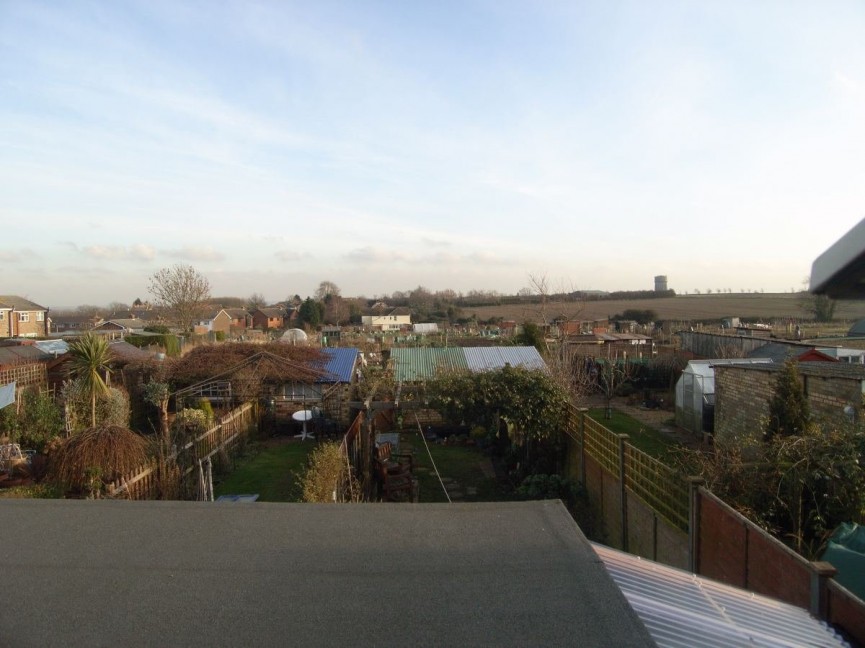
(462, 145)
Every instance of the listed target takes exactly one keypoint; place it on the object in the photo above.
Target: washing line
(420, 431)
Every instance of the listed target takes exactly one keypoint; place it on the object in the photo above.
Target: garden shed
(695, 393)
(423, 363)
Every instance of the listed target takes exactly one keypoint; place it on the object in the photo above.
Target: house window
(40, 316)
(2, 315)
(301, 392)
(23, 317)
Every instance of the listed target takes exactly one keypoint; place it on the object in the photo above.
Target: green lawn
(459, 467)
(642, 437)
(270, 472)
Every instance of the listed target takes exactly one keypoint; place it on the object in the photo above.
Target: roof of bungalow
(271, 312)
(781, 352)
(339, 364)
(125, 352)
(416, 364)
(125, 324)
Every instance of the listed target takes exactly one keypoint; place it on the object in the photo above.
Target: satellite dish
(303, 415)
(293, 336)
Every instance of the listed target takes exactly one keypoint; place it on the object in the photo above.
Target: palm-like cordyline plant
(90, 357)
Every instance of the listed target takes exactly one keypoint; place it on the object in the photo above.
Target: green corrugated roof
(415, 364)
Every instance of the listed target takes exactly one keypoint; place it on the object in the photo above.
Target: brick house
(231, 321)
(21, 317)
(239, 319)
(742, 393)
(268, 318)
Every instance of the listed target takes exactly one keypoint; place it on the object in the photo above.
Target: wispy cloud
(120, 252)
(190, 253)
(292, 255)
(15, 255)
(369, 255)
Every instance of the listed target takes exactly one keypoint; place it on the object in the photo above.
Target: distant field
(680, 308)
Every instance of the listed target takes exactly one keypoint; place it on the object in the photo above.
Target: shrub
(535, 487)
(328, 477)
(188, 424)
(88, 460)
(112, 408)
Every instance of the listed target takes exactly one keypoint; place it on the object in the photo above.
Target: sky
(460, 145)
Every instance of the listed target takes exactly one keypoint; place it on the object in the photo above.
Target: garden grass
(271, 472)
(459, 467)
(642, 436)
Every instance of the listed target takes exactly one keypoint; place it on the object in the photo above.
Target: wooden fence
(650, 510)
(143, 483)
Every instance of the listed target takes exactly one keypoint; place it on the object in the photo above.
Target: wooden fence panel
(144, 482)
(602, 445)
(723, 546)
(847, 611)
(658, 486)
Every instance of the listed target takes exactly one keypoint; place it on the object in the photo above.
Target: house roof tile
(19, 303)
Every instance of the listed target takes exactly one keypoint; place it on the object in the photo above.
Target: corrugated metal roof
(683, 609)
(490, 358)
(412, 365)
(340, 364)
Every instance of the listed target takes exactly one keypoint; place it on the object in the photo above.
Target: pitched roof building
(20, 317)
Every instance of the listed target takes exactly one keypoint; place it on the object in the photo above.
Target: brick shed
(742, 394)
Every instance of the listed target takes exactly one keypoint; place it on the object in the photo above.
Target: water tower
(661, 283)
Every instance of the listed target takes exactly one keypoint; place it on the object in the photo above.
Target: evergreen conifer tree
(789, 412)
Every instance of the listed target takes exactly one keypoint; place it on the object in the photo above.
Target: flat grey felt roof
(111, 573)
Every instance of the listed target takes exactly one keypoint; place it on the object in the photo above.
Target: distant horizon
(455, 145)
(385, 296)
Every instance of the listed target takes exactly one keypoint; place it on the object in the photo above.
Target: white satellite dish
(303, 416)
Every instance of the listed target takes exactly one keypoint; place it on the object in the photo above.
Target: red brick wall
(742, 398)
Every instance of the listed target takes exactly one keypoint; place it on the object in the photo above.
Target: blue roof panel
(339, 364)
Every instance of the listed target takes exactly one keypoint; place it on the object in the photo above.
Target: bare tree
(118, 307)
(183, 292)
(255, 301)
(326, 289)
(613, 373)
(541, 286)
